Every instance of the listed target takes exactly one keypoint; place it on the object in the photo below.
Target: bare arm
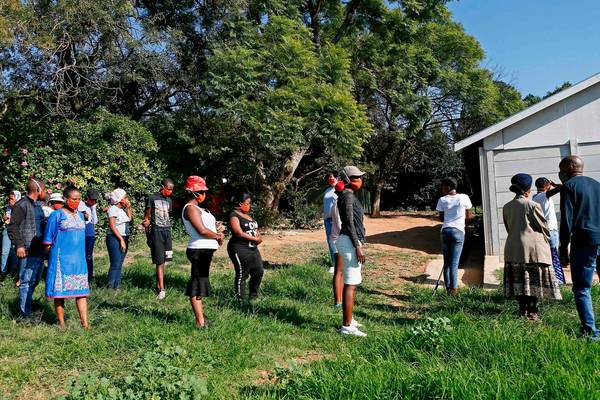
(194, 216)
(441, 216)
(237, 231)
(146, 221)
(112, 225)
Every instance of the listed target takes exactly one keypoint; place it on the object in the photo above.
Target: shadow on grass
(42, 311)
(276, 266)
(145, 280)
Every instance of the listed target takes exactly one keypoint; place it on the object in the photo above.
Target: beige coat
(528, 233)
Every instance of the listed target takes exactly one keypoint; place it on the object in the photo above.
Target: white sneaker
(331, 270)
(355, 323)
(352, 331)
(161, 295)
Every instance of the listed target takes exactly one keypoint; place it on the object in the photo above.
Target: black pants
(199, 283)
(248, 263)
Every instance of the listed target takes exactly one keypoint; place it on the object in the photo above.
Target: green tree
(281, 96)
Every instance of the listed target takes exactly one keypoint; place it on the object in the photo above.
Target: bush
(159, 374)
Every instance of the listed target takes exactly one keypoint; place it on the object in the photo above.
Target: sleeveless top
(248, 226)
(197, 241)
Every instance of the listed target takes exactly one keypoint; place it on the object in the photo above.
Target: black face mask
(563, 176)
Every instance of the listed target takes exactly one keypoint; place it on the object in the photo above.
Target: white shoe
(352, 331)
(331, 270)
(355, 323)
(161, 295)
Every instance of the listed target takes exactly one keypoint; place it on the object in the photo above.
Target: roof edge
(521, 115)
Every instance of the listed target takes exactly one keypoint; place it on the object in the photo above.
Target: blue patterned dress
(67, 269)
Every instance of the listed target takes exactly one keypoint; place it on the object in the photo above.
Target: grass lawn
(285, 345)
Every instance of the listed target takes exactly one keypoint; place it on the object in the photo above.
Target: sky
(537, 44)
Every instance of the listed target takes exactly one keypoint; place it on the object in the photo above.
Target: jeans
(554, 240)
(583, 264)
(9, 258)
(452, 244)
(30, 274)
(330, 244)
(116, 256)
(89, 255)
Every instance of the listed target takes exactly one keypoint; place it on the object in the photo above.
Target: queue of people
(63, 231)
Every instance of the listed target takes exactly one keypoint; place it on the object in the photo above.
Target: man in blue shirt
(329, 199)
(580, 226)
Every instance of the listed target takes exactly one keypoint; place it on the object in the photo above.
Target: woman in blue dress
(67, 275)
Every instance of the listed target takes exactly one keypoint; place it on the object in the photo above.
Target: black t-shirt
(160, 211)
(248, 226)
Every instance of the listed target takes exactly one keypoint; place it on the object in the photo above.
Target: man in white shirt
(88, 208)
(545, 190)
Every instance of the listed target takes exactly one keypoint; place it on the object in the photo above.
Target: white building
(534, 141)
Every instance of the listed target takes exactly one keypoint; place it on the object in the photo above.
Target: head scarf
(195, 184)
(521, 183)
(116, 196)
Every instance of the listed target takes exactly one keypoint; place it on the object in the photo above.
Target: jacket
(22, 229)
(528, 233)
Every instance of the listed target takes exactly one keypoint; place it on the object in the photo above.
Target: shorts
(161, 245)
(199, 283)
(352, 267)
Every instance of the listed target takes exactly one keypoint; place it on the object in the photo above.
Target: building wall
(535, 146)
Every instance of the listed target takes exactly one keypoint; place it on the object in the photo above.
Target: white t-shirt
(122, 219)
(454, 208)
(548, 209)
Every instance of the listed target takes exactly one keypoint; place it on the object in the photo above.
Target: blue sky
(537, 44)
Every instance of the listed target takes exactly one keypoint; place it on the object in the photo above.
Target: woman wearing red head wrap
(201, 225)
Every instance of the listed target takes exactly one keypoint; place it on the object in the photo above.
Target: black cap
(93, 194)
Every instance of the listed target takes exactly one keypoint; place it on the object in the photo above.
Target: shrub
(159, 374)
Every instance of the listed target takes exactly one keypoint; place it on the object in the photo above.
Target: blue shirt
(580, 213)
(329, 199)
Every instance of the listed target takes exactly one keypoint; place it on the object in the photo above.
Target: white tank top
(197, 241)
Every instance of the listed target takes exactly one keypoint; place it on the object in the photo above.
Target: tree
(281, 96)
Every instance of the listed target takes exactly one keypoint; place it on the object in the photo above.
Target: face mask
(57, 206)
(73, 204)
(166, 192)
(356, 185)
(331, 181)
(245, 207)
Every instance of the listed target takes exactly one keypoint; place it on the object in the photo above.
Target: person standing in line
(157, 223)
(329, 199)
(88, 208)
(350, 244)
(243, 248)
(201, 226)
(580, 227)
(25, 231)
(546, 189)
(117, 237)
(528, 275)
(55, 202)
(336, 227)
(454, 209)
(8, 253)
(67, 275)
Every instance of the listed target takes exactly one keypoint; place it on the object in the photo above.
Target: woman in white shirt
(454, 211)
(201, 225)
(117, 238)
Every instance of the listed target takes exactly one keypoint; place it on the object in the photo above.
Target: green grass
(285, 345)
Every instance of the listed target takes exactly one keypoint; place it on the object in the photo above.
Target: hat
(92, 194)
(339, 186)
(351, 170)
(116, 196)
(56, 198)
(195, 184)
(521, 183)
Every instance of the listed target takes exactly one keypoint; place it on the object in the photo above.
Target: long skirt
(535, 280)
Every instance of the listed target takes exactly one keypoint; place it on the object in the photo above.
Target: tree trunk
(376, 203)
(278, 187)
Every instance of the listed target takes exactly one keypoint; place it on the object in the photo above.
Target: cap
(93, 194)
(351, 170)
(56, 198)
(195, 183)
